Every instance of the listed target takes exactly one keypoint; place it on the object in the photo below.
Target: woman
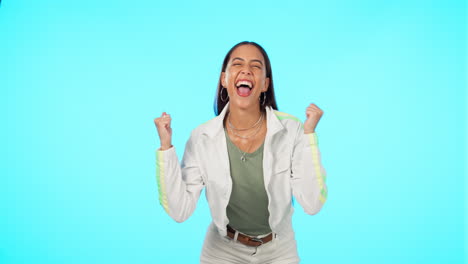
(251, 159)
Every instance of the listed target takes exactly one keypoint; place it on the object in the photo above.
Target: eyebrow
(237, 58)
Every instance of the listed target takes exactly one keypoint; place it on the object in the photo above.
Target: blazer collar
(215, 126)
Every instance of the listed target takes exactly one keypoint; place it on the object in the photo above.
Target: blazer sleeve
(179, 185)
(307, 173)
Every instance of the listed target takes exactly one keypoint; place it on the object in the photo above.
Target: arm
(179, 186)
(308, 175)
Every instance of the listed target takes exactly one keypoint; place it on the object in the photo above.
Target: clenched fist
(163, 124)
(313, 114)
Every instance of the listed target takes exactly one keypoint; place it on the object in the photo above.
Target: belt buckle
(255, 239)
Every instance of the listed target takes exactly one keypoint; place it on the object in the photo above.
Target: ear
(223, 79)
(267, 84)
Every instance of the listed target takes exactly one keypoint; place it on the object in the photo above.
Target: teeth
(249, 84)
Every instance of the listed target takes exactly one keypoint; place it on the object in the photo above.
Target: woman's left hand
(313, 114)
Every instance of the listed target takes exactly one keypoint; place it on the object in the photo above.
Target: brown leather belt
(248, 240)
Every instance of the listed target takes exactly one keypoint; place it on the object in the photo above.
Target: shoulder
(207, 127)
(288, 120)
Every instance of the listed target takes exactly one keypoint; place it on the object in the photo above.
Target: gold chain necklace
(243, 129)
(242, 153)
(249, 136)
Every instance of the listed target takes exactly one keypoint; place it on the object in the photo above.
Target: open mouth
(244, 87)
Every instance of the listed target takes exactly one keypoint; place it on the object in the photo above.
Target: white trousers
(224, 250)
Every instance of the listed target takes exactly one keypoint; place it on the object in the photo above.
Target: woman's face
(245, 77)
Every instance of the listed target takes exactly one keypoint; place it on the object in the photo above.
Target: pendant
(243, 158)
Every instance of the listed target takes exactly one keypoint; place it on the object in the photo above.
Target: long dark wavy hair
(270, 93)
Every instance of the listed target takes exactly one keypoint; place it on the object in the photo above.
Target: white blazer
(291, 166)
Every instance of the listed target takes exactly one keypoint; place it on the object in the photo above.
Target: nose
(246, 71)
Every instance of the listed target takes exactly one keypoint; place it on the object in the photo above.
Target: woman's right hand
(163, 124)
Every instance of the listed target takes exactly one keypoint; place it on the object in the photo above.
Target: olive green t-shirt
(247, 210)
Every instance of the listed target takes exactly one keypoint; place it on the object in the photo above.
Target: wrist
(165, 147)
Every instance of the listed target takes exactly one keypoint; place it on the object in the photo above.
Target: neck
(243, 118)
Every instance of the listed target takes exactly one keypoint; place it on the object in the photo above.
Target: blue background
(81, 82)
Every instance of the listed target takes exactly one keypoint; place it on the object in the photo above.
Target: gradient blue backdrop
(81, 82)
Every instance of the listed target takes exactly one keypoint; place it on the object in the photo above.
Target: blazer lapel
(274, 127)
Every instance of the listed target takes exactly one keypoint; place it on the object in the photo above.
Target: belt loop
(236, 235)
